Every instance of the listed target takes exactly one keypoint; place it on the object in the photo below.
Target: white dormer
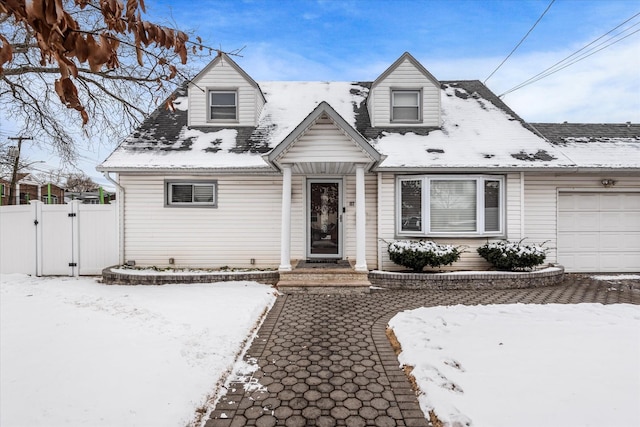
(223, 94)
(405, 95)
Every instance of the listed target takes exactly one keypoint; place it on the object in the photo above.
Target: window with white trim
(450, 205)
(223, 105)
(194, 194)
(405, 106)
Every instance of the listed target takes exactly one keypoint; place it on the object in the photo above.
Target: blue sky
(356, 40)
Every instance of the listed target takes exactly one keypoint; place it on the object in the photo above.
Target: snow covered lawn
(77, 353)
(525, 365)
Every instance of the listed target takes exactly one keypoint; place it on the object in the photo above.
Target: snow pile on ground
(525, 365)
(75, 352)
(617, 277)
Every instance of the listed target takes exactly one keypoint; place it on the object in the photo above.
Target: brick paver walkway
(324, 360)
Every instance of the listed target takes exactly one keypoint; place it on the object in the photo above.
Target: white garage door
(599, 232)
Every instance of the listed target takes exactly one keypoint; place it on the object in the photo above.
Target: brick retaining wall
(118, 278)
(470, 280)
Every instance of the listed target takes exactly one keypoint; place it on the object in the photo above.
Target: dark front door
(324, 209)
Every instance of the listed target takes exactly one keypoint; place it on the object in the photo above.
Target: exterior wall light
(606, 183)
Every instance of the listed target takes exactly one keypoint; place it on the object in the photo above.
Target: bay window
(450, 205)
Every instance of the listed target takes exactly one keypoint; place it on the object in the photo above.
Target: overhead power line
(568, 61)
(520, 42)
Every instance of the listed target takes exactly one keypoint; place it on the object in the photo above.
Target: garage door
(599, 232)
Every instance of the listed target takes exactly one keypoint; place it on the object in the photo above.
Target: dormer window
(223, 105)
(405, 106)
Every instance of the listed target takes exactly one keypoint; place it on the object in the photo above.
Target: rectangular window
(54, 199)
(1, 189)
(192, 193)
(437, 205)
(405, 106)
(223, 106)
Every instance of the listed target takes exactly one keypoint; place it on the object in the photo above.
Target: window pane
(181, 193)
(405, 113)
(405, 99)
(492, 206)
(411, 208)
(223, 98)
(203, 193)
(453, 205)
(223, 113)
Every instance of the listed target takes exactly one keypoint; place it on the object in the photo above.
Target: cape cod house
(248, 174)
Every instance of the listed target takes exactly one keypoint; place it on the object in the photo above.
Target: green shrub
(512, 256)
(418, 254)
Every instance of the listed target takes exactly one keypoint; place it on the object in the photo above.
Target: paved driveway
(324, 360)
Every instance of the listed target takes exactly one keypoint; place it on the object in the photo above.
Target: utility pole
(14, 175)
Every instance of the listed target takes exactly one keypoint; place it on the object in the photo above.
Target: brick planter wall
(383, 279)
(118, 278)
(467, 281)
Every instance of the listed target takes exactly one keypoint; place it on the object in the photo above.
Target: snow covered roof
(608, 145)
(478, 132)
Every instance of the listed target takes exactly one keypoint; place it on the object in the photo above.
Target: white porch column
(361, 235)
(285, 233)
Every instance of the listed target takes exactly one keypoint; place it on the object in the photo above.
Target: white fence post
(37, 222)
(75, 237)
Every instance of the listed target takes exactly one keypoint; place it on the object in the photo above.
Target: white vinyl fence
(63, 240)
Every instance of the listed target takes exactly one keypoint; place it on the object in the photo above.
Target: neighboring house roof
(478, 132)
(609, 145)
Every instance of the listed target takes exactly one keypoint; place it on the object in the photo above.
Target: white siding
(245, 225)
(405, 76)
(514, 206)
(541, 208)
(224, 76)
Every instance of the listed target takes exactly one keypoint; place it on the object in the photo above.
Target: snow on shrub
(418, 254)
(512, 256)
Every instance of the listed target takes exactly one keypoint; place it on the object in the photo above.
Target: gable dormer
(405, 95)
(223, 94)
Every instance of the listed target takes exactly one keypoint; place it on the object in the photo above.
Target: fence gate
(70, 240)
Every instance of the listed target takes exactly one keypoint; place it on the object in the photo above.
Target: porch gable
(324, 143)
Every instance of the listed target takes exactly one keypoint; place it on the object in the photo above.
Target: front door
(324, 218)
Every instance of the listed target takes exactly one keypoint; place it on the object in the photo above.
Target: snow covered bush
(418, 254)
(512, 256)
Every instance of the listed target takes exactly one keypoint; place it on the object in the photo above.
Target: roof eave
(185, 170)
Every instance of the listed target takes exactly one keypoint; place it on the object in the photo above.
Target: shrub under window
(418, 254)
(512, 256)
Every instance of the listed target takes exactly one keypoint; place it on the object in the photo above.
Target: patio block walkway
(324, 360)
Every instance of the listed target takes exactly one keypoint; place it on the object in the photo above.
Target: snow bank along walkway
(324, 360)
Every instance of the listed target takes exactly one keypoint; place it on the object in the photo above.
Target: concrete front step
(323, 288)
(323, 281)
